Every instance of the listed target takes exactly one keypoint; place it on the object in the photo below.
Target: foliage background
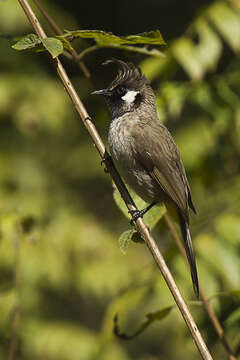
(62, 276)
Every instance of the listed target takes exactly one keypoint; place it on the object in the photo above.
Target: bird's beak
(104, 92)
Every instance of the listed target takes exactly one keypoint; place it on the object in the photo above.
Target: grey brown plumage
(144, 150)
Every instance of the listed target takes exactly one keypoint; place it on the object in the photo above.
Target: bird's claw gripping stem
(103, 161)
(139, 213)
(135, 215)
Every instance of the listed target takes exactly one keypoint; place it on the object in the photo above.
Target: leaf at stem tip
(27, 42)
(104, 38)
(56, 45)
(149, 319)
(53, 45)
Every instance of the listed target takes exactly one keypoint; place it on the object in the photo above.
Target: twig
(135, 49)
(16, 309)
(14, 336)
(143, 229)
(58, 31)
(211, 313)
(88, 50)
(50, 20)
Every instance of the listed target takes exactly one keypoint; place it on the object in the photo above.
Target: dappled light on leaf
(54, 46)
(104, 38)
(28, 42)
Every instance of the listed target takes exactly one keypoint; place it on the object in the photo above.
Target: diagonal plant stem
(142, 228)
(58, 31)
(210, 311)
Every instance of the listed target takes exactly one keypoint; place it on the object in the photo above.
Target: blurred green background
(62, 275)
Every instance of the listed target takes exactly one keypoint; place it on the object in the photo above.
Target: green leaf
(209, 48)
(151, 37)
(128, 236)
(56, 45)
(150, 318)
(27, 42)
(233, 319)
(104, 38)
(65, 42)
(53, 45)
(227, 266)
(153, 67)
(190, 140)
(183, 50)
(236, 293)
(196, 59)
(125, 239)
(153, 216)
(227, 21)
(228, 226)
(160, 314)
(174, 95)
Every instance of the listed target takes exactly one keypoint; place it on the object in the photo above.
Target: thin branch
(58, 31)
(141, 50)
(143, 229)
(14, 336)
(211, 313)
(50, 20)
(16, 285)
(88, 50)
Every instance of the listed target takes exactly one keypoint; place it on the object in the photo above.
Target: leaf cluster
(56, 45)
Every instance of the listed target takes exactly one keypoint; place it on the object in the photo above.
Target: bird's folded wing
(158, 154)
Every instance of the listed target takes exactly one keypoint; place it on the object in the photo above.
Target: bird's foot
(135, 215)
(139, 213)
(104, 160)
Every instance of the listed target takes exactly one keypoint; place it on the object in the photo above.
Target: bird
(144, 151)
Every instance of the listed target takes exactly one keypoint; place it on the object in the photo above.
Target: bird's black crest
(127, 73)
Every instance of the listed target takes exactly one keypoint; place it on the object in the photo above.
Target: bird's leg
(139, 213)
(105, 158)
(105, 169)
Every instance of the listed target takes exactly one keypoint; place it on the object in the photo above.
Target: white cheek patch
(130, 96)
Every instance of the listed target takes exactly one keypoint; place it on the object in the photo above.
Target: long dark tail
(190, 252)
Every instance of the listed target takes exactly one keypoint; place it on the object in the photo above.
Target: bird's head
(128, 91)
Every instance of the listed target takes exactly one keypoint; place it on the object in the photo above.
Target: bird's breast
(123, 152)
(120, 141)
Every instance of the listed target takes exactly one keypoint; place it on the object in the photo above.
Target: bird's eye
(121, 90)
